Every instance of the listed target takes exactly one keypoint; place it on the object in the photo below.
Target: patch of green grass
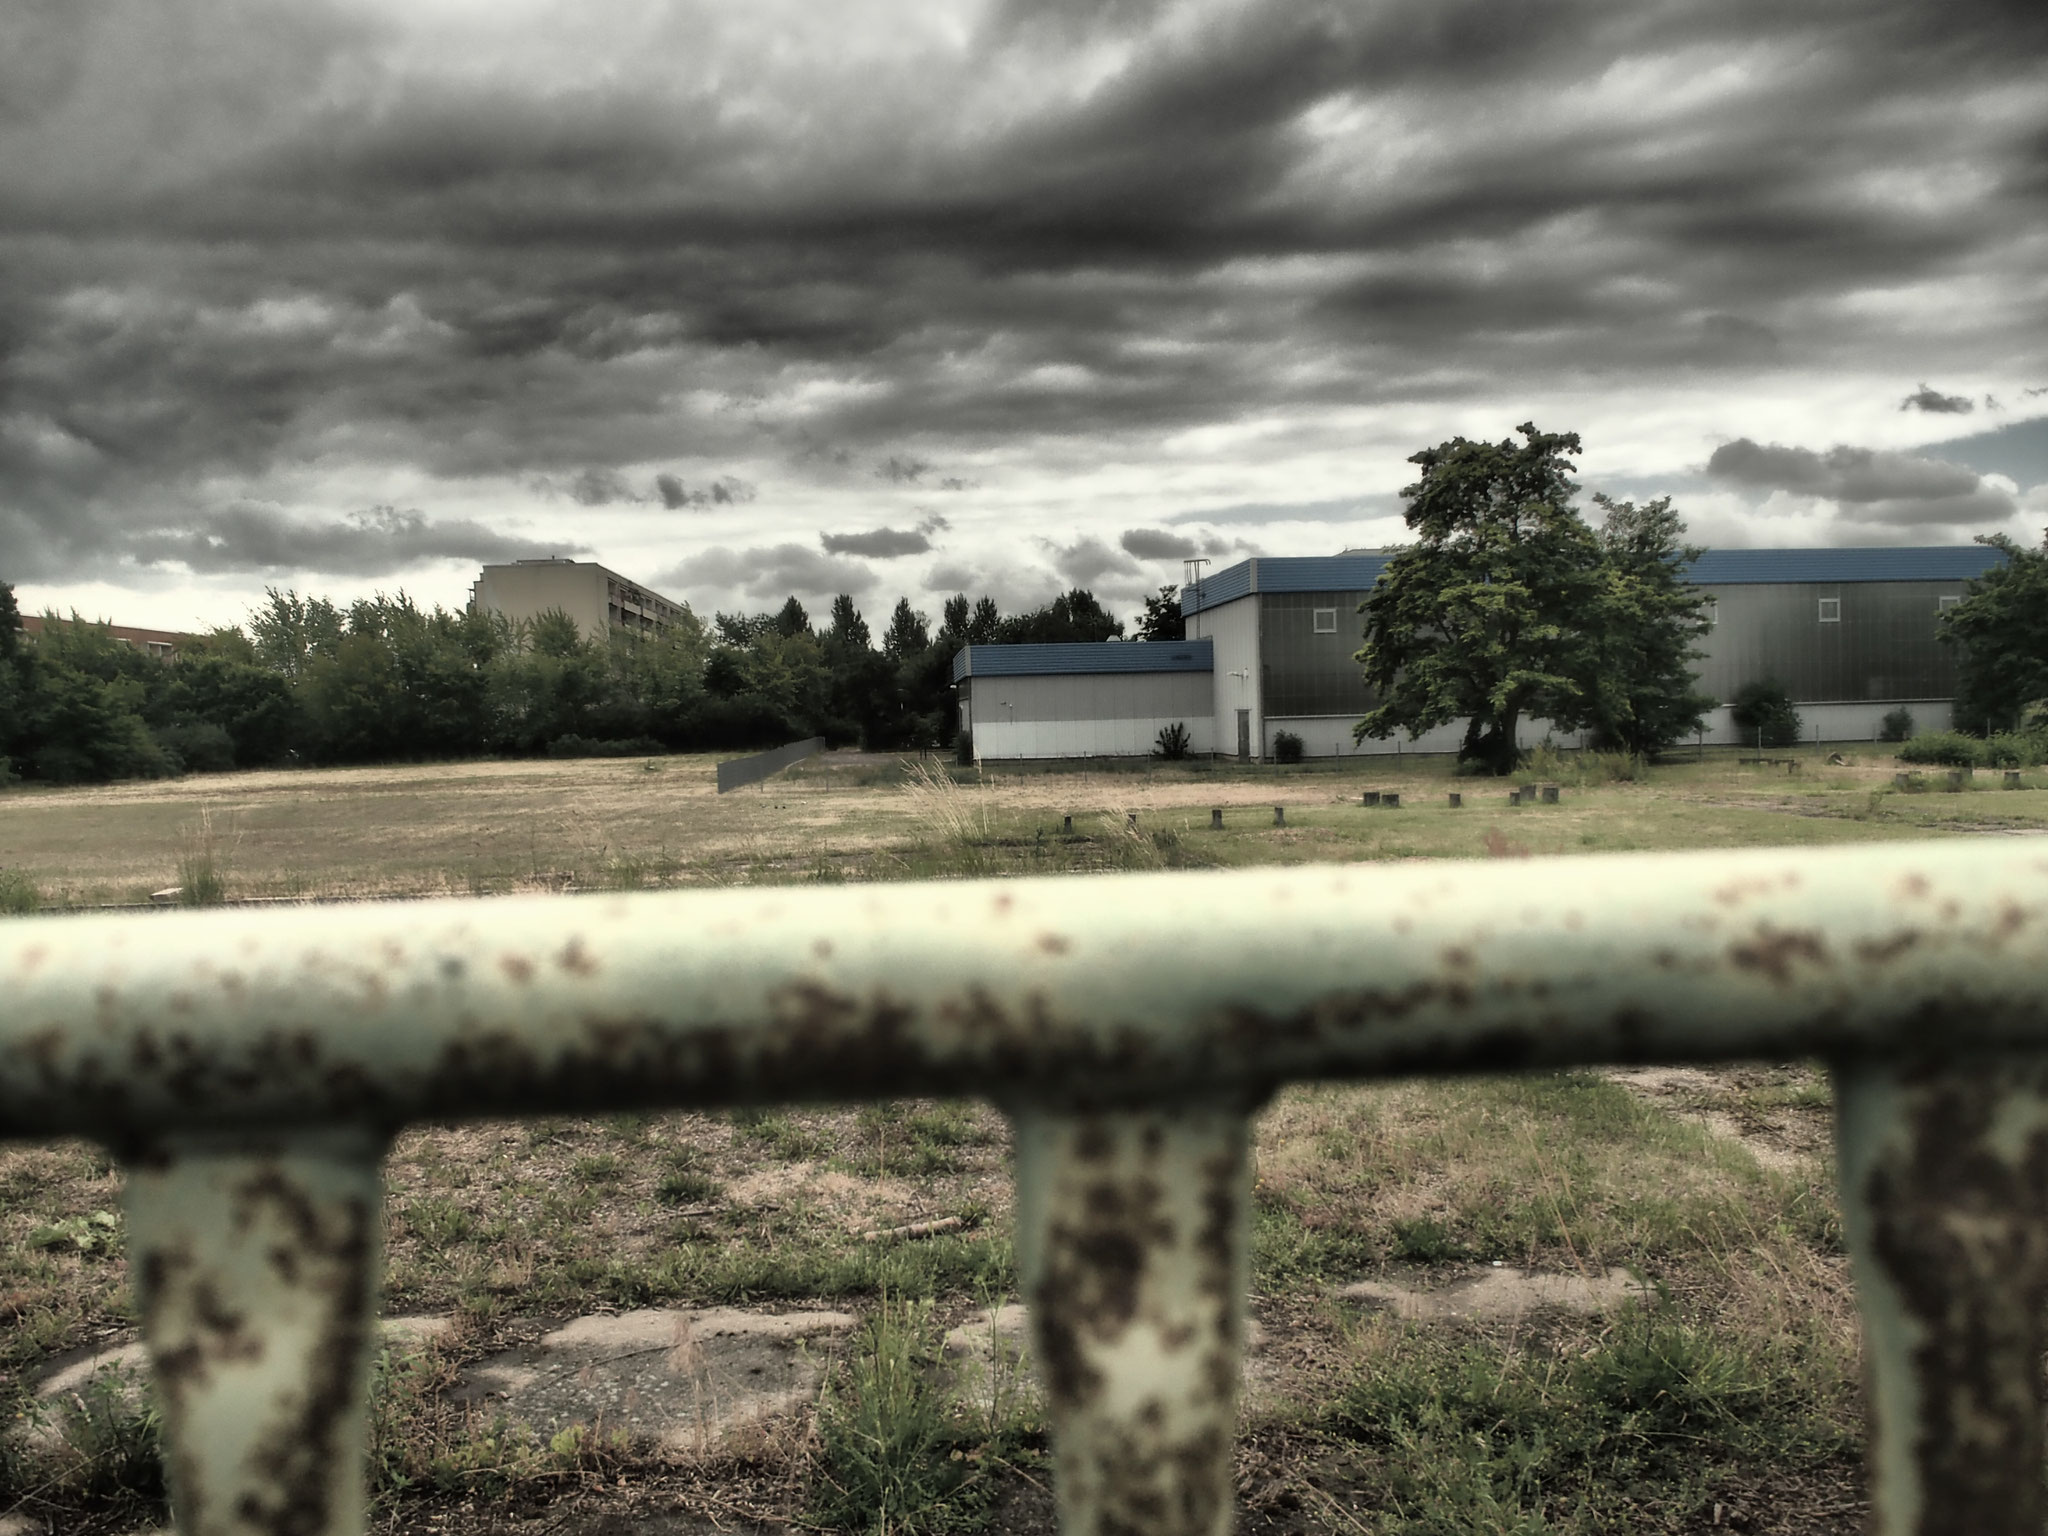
(598, 1168)
(420, 1443)
(780, 1135)
(1583, 1435)
(898, 1451)
(202, 864)
(109, 1450)
(438, 1222)
(687, 1186)
(19, 894)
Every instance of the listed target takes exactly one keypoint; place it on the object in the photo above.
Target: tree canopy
(2001, 631)
(1162, 619)
(1509, 605)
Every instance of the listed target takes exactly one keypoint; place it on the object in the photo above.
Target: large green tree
(1484, 616)
(2001, 631)
(1646, 624)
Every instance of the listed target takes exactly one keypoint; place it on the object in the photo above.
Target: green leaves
(2001, 632)
(1509, 605)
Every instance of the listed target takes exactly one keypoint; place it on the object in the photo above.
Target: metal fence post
(1131, 1236)
(257, 1267)
(1944, 1175)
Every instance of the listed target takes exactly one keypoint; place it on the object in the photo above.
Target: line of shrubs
(1953, 749)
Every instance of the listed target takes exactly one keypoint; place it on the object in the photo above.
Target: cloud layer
(1080, 272)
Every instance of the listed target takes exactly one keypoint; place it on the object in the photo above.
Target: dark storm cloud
(1161, 544)
(877, 543)
(378, 542)
(725, 491)
(1868, 485)
(1158, 544)
(766, 574)
(901, 470)
(240, 241)
(1088, 561)
(1926, 399)
(599, 488)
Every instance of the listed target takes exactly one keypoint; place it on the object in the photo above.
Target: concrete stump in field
(1215, 821)
(2012, 778)
(1279, 815)
(1390, 801)
(1370, 797)
(1457, 800)
(1550, 794)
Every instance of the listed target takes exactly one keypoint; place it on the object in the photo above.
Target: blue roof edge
(1084, 657)
(1714, 568)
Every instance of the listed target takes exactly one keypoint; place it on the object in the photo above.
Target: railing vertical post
(1944, 1173)
(1131, 1229)
(256, 1266)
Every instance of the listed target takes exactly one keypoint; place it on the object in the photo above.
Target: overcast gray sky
(910, 296)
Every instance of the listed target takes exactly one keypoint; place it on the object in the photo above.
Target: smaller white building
(1110, 699)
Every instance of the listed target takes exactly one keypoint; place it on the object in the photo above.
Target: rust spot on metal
(1777, 951)
(575, 959)
(1458, 958)
(1914, 887)
(1957, 1223)
(821, 949)
(1878, 951)
(1004, 901)
(518, 967)
(32, 959)
(1054, 944)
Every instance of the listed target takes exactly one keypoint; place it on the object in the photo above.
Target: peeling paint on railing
(249, 1065)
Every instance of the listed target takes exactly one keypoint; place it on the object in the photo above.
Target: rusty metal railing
(250, 1068)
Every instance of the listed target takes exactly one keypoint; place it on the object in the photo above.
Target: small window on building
(1831, 610)
(1710, 613)
(1943, 604)
(1326, 621)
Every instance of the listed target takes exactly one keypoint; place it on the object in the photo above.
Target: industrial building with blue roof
(1851, 633)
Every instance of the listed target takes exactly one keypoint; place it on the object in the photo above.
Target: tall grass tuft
(110, 1452)
(19, 894)
(203, 863)
(1582, 769)
(948, 809)
(886, 1428)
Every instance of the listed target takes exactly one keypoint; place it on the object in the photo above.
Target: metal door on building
(1244, 735)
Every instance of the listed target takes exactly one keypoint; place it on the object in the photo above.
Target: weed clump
(109, 1454)
(19, 894)
(1478, 1437)
(202, 864)
(898, 1452)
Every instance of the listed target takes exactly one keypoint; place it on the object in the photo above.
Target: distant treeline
(384, 680)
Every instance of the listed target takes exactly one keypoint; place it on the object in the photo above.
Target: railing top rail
(1118, 988)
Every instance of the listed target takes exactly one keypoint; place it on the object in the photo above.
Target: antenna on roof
(1191, 574)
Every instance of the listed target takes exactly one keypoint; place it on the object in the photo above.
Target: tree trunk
(1490, 742)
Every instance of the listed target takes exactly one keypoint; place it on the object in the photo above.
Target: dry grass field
(491, 827)
(1557, 1303)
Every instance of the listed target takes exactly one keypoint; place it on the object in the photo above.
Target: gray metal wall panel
(1884, 647)
(1307, 673)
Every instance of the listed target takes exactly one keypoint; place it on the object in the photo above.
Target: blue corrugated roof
(1068, 660)
(1935, 562)
(1715, 568)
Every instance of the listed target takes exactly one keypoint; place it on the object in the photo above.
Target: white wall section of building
(1104, 714)
(1234, 628)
